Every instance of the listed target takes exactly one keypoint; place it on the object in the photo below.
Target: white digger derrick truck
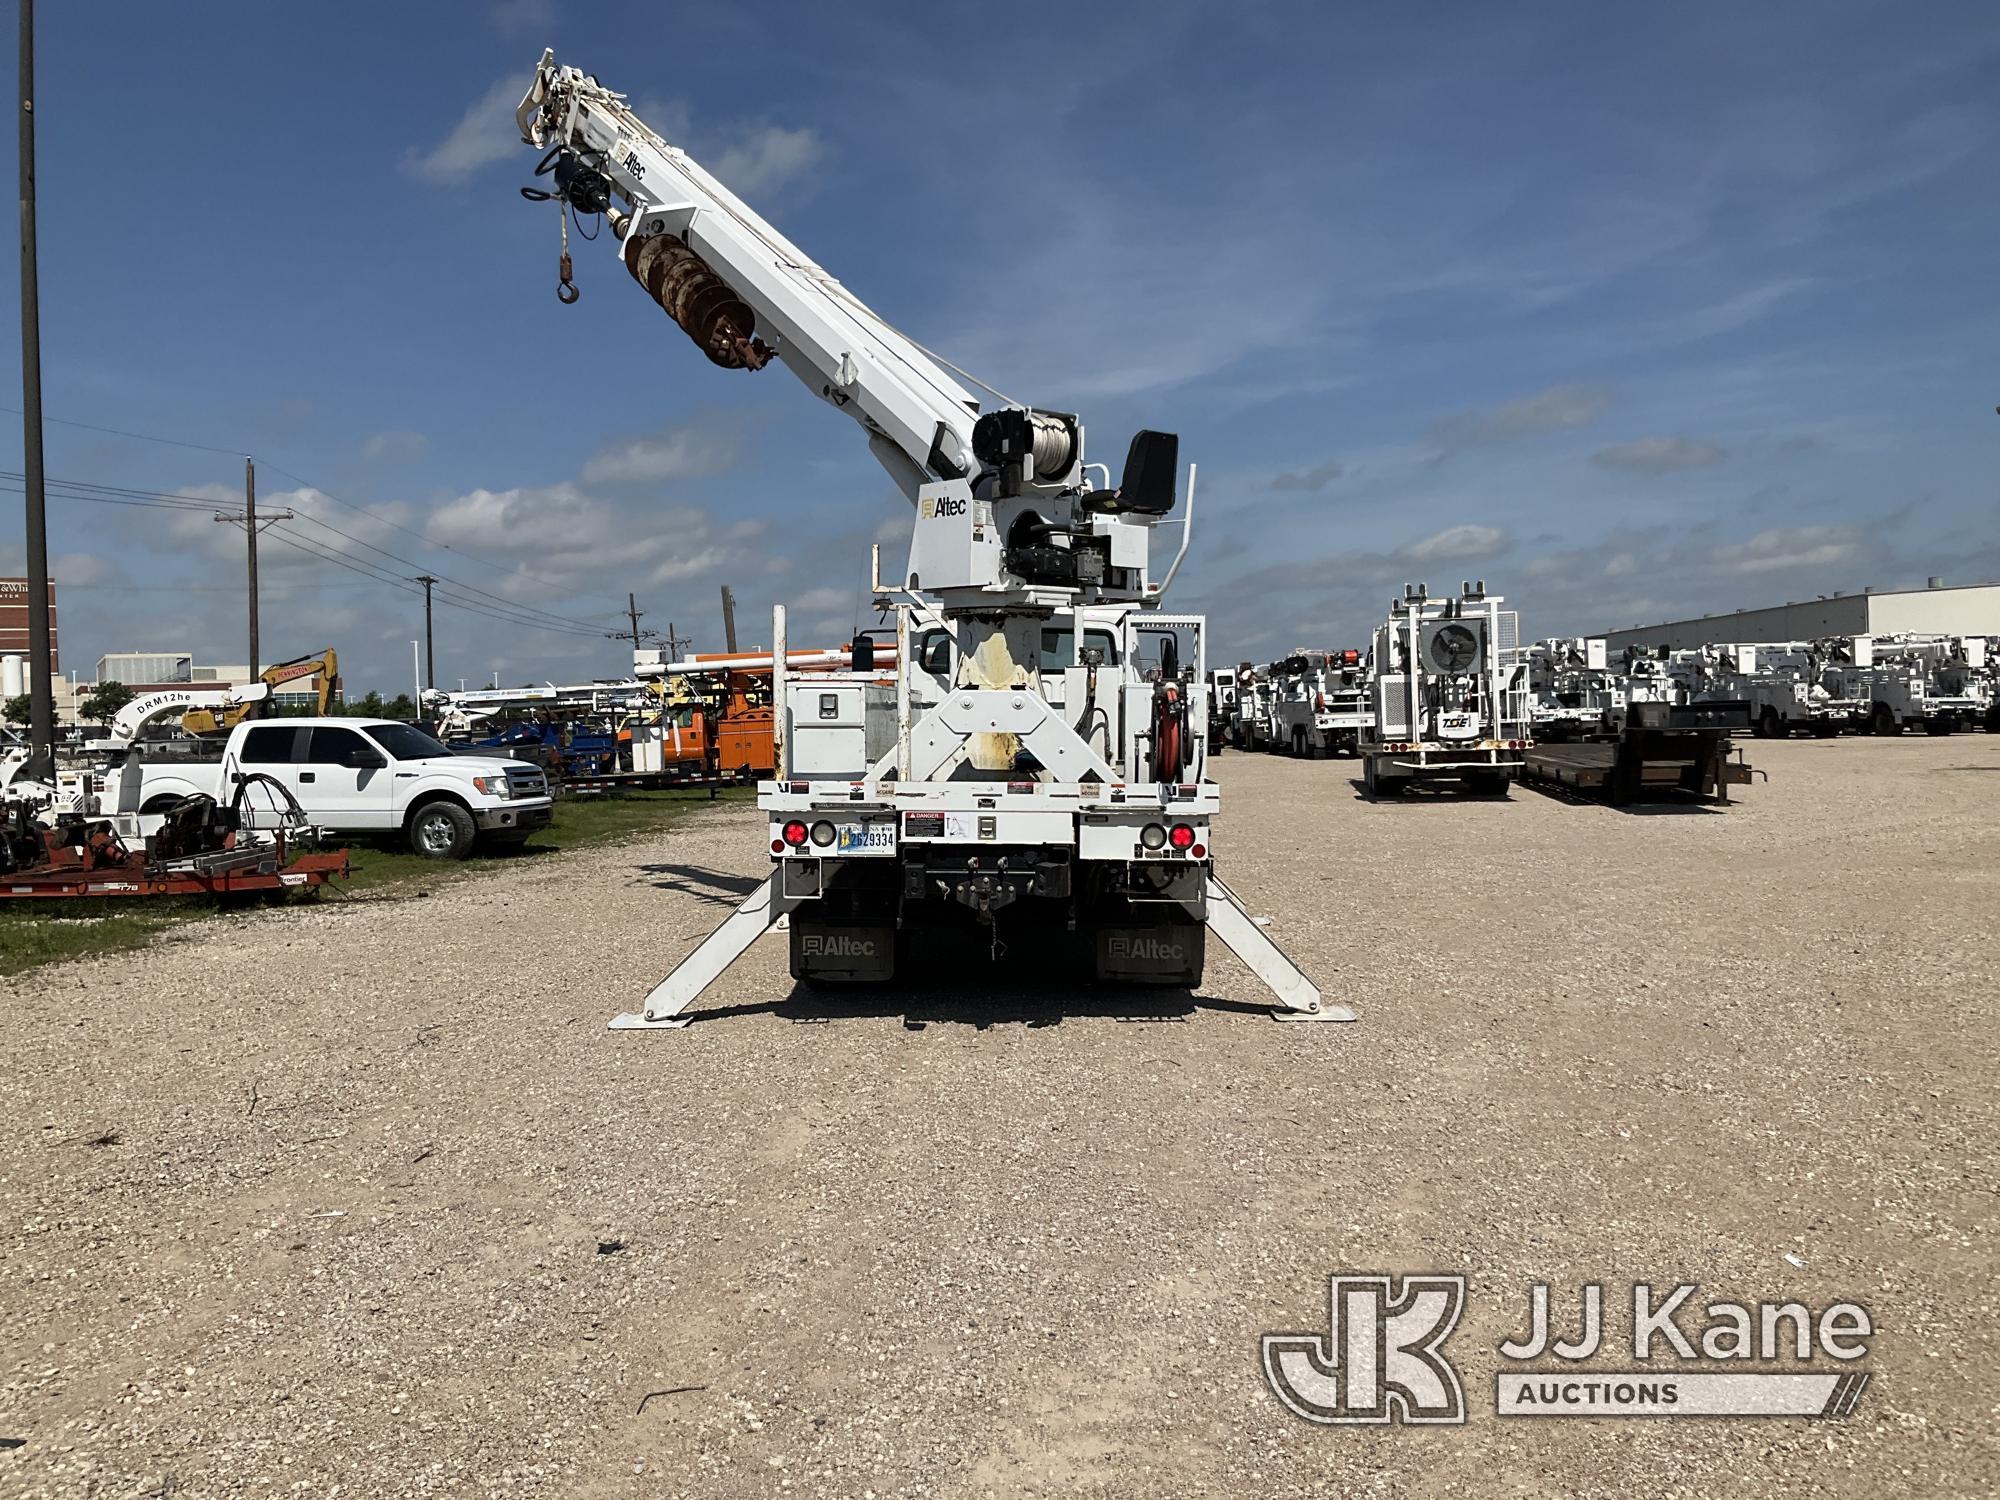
(1042, 757)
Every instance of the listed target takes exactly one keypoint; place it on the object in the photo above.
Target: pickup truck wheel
(442, 830)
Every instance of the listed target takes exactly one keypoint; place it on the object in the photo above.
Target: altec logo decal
(942, 505)
(837, 946)
(1382, 1359)
(1166, 949)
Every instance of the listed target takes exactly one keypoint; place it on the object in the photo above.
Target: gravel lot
(365, 1200)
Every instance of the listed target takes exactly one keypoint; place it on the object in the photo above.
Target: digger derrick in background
(1451, 699)
(1047, 734)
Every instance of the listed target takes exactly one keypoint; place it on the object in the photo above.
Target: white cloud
(513, 18)
(1658, 455)
(397, 444)
(1789, 547)
(660, 457)
(764, 158)
(1467, 543)
(1558, 407)
(1309, 481)
(485, 133)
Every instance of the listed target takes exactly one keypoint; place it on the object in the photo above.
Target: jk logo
(1381, 1358)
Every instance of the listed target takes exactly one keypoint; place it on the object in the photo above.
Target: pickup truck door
(273, 750)
(344, 780)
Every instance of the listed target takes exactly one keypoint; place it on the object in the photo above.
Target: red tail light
(795, 833)
(1181, 836)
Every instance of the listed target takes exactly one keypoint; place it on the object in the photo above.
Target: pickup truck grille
(527, 783)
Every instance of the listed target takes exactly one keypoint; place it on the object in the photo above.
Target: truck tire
(442, 830)
(1299, 749)
(1769, 726)
(1882, 720)
(1378, 786)
(1942, 724)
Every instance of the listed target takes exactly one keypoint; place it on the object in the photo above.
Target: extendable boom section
(727, 276)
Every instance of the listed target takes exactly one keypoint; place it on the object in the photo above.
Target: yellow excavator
(323, 669)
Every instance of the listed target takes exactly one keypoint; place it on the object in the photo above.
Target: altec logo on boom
(1382, 1359)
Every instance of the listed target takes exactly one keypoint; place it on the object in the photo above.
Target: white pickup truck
(357, 776)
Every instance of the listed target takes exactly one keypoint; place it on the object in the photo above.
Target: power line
(469, 588)
(516, 611)
(377, 574)
(141, 436)
(146, 437)
(484, 562)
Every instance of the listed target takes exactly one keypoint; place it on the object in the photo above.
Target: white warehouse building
(1970, 610)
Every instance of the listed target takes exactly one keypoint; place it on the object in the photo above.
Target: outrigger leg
(1299, 996)
(759, 912)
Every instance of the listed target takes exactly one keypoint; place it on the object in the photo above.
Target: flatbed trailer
(1665, 751)
(228, 872)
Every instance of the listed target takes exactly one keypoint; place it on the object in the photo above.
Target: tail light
(795, 833)
(1153, 836)
(1199, 851)
(1181, 836)
(1319, 703)
(822, 834)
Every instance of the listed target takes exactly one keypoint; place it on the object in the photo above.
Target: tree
(102, 706)
(369, 707)
(16, 710)
(400, 707)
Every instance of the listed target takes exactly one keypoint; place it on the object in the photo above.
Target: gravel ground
(365, 1200)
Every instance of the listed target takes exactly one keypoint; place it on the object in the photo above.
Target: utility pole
(41, 762)
(252, 524)
(728, 620)
(635, 635)
(250, 533)
(675, 641)
(430, 655)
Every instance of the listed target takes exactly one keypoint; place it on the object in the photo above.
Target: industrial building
(145, 671)
(1967, 610)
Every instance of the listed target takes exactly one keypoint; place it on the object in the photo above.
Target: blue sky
(1633, 313)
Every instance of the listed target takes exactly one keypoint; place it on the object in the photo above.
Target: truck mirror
(862, 653)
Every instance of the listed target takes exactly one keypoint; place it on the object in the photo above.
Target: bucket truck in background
(1040, 765)
(1320, 703)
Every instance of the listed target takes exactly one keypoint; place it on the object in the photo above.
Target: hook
(567, 291)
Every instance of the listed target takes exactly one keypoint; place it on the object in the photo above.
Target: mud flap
(1166, 955)
(842, 954)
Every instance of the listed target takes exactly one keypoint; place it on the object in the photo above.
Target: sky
(1635, 313)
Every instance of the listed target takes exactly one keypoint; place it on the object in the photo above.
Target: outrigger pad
(635, 1020)
(1324, 1013)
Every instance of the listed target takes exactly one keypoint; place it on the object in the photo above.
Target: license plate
(865, 838)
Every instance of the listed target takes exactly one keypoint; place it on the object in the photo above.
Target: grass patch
(39, 932)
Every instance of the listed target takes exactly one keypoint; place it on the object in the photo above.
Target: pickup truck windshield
(404, 742)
